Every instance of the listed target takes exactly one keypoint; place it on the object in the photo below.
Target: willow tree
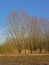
(17, 29)
(34, 33)
(24, 30)
(45, 24)
(13, 29)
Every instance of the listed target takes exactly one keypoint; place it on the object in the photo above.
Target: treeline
(26, 33)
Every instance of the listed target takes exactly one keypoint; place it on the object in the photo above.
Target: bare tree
(13, 28)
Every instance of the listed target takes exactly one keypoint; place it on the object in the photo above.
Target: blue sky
(39, 8)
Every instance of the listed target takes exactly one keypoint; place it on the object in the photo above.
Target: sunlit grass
(24, 58)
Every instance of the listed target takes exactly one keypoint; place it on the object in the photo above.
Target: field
(23, 59)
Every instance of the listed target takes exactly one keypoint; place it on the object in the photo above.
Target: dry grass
(25, 58)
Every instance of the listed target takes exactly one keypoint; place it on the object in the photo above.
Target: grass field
(25, 59)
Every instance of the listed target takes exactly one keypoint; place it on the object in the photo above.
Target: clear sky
(39, 8)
